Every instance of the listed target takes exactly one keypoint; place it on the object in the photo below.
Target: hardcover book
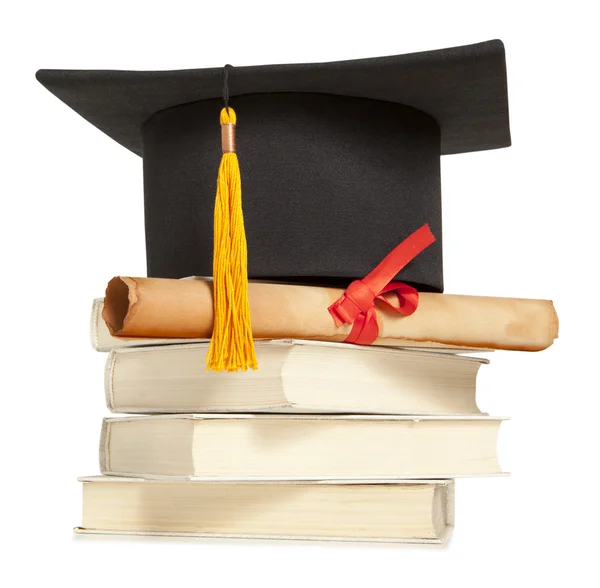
(299, 447)
(102, 340)
(415, 512)
(295, 376)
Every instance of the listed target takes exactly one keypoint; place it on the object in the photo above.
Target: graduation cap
(338, 161)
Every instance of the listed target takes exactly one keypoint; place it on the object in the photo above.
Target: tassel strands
(232, 346)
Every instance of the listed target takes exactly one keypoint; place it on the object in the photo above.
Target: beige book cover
(419, 511)
(300, 447)
(102, 340)
(156, 307)
(295, 377)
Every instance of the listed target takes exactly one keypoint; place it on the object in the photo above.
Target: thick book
(159, 307)
(295, 376)
(414, 512)
(299, 447)
(102, 340)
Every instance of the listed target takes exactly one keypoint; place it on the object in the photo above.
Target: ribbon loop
(356, 306)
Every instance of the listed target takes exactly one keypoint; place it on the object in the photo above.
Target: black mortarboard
(339, 161)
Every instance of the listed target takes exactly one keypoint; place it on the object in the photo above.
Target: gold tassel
(232, 346)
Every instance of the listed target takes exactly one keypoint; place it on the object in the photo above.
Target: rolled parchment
(180, 309)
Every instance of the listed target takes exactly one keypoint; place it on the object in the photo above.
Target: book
(414, 512)
(295, 376)
(299, 447)
(102, 340)
(161, 308)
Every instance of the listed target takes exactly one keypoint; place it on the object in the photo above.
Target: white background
(518, 222)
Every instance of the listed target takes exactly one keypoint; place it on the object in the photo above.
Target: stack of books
(324, 441)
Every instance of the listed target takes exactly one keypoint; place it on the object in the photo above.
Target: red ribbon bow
(356, 307)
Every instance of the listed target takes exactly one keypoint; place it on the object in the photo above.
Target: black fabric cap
(462, 88)
(330, 185)
(339, 161)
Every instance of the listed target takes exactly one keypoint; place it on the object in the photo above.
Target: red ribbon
(356, 307)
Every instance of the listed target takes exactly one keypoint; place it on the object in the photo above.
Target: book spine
(94, 317)
(109, 375)
(104, 453)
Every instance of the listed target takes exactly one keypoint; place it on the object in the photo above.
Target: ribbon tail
(356, 306)
(338, 312)
(365, 329)
(398, 258)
